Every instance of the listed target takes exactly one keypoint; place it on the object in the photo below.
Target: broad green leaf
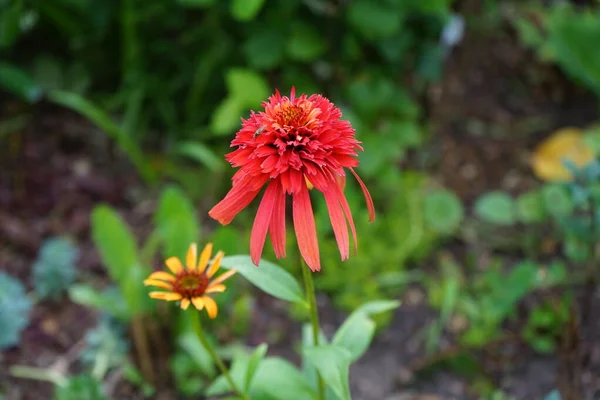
(177, 222)
(308, 370)
(17, 82)
(254, 362)
(277, 378)
(248, 87)
(443, 210)
(496, 208)
(226, 117)
(115, 242)
(193, 347)
(201, 153)
(557, 200)
(333, 364)
(238, 372)
(305, 43)
(355, 335)
(374, 20)
(264, 49)
(246, 10)
(530, 207)
(268, 277)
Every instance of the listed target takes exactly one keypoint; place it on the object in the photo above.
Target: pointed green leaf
(177, 222)
(115, 242)
(378, 306)
(255, 359)
(17, 82)
(268, 277)
(277, 378)
(333, 364)
(238, 372)
(355, 335)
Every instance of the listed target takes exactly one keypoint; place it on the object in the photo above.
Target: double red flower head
(295, 143)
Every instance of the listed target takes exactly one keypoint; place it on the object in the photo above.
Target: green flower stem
(314, 319)
(220, 364)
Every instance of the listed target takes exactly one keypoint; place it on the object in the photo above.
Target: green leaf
(246, 10)
(115, 242)
(226, 117)
(15, 307)
(201, 153)
(333, 364)
(305, 43)
(496, 208)
(118, 251)
(54, 270)
(355, 335)
(196, 3)
(268, 277)
(80, 387)
(374, 20)
(377, 307)
(264, 49)
(277, 378)
(444, 211)
(530, 207)
(192, 346)
(17, 82)
(238, 372)
(248, 87)
(177, 222)
(557, 201)
(109, 301)
(254, 362)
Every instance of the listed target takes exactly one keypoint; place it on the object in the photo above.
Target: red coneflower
(294, 143)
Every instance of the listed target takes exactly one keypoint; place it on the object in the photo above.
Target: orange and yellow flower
(192, 283)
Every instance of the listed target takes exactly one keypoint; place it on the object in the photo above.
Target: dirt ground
(496, 101)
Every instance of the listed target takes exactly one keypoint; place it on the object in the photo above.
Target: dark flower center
(190, 284)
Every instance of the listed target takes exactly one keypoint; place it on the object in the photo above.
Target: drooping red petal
(367, 195)
(238, 198)
(277, 228)
(344, 203)
(338, 221)
(304, 225)
(263, 220)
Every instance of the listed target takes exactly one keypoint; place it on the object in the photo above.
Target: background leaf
(268, 277)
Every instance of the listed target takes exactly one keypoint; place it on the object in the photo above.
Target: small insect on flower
(259, 131)
(192, 284)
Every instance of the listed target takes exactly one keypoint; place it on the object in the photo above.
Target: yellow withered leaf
(548, 157)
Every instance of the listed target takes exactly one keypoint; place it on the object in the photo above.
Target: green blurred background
(106, 101)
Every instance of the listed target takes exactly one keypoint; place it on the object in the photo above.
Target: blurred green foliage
(14, 310)
(54, 270)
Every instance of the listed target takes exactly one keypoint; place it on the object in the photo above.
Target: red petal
(346, 208)
(338, 222)
(304, 225)
(277, 228)
(262, 221)
(368, 198)
(238, 198)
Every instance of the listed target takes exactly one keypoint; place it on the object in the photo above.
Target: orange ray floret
(193, 284)
(295, 144)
